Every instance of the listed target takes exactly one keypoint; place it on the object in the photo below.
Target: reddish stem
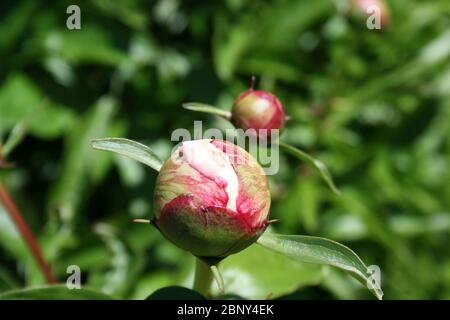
(26, 233)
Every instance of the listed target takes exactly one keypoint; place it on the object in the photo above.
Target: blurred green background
(373, 105)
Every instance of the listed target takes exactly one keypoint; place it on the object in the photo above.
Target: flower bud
(258, 109)
(211, 198)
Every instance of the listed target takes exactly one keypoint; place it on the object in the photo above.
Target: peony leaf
(319, 165)
(257, 273)
(322, 251)
(205, 108)
(129, 148)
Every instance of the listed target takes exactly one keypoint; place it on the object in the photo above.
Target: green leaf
(15, 23)
(237, 40)
(131, 149)
(127, 12)
(56, 292)
(92, 46)
(206, 108)
(319, 165)
(80, 162)
(321, 251)
(256, 273)
(175, 293)
(18, 132)
(19, 96)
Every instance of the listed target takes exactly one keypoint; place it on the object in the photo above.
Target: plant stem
(26, 233)
(203, 278)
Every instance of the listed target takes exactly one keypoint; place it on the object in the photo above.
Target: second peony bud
(259, 110)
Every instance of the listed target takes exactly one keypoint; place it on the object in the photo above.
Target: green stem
(203, 278)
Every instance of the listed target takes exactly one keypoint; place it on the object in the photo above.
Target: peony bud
(258, 109)
(212, 198)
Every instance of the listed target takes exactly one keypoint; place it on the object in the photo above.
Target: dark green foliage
(175, 293)
(374, 106)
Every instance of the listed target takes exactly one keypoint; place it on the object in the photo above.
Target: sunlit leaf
(257, 273)
(131, 149)
(321, 251)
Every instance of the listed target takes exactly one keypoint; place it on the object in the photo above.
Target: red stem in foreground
(26, 233)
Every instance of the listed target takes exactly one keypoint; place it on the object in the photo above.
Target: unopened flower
(212, 198)
(259, 110)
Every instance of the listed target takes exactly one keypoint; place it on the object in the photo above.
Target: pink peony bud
(258, 109)
(212, 198)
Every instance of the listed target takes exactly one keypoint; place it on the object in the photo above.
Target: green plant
(372, 105)
(190, 231)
